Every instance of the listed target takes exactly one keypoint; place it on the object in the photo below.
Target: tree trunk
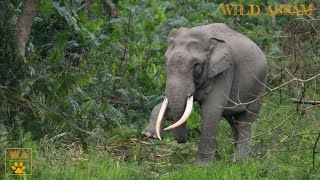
(24, 24)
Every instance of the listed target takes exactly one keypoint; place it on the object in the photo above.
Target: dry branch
(294, 79)
(302, 101)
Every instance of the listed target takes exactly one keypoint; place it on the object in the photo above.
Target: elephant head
(193, 57)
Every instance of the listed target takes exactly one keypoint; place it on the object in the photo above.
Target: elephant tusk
(160, 116)
(185, 115)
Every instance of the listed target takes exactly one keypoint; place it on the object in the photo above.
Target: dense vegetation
(90, 78)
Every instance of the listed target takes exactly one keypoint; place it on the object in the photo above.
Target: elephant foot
(237, 158)
(242, 154)
(151, 133)
(204, 159)
(203, 163)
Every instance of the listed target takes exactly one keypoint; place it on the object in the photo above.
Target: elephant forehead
(198, 34)
(187, 36)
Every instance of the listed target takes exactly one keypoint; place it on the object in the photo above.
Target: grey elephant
(221, 69)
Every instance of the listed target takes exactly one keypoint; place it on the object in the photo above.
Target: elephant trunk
(185, 115)
(177, 104)
(179, 94)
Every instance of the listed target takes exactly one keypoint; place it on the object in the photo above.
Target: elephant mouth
(178, 123)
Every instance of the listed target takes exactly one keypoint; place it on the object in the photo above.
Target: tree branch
(298, 101)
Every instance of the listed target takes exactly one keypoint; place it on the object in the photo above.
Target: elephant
(224, 72)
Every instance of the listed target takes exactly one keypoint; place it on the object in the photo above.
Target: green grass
(100, 165)
(92, 166)
(274, 167)
(282, 149)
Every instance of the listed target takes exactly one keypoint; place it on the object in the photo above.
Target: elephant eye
(197, 69)
(197, 65)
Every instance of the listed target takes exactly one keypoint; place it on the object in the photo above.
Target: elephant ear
(219, 59)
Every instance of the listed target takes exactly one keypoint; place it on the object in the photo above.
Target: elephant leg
(231, 120)
(243, 124)
(211, 112)
(207, 145)
(150, 130)
(212, 108)
(180, 133)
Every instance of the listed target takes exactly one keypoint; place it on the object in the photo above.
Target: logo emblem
(18, 161)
